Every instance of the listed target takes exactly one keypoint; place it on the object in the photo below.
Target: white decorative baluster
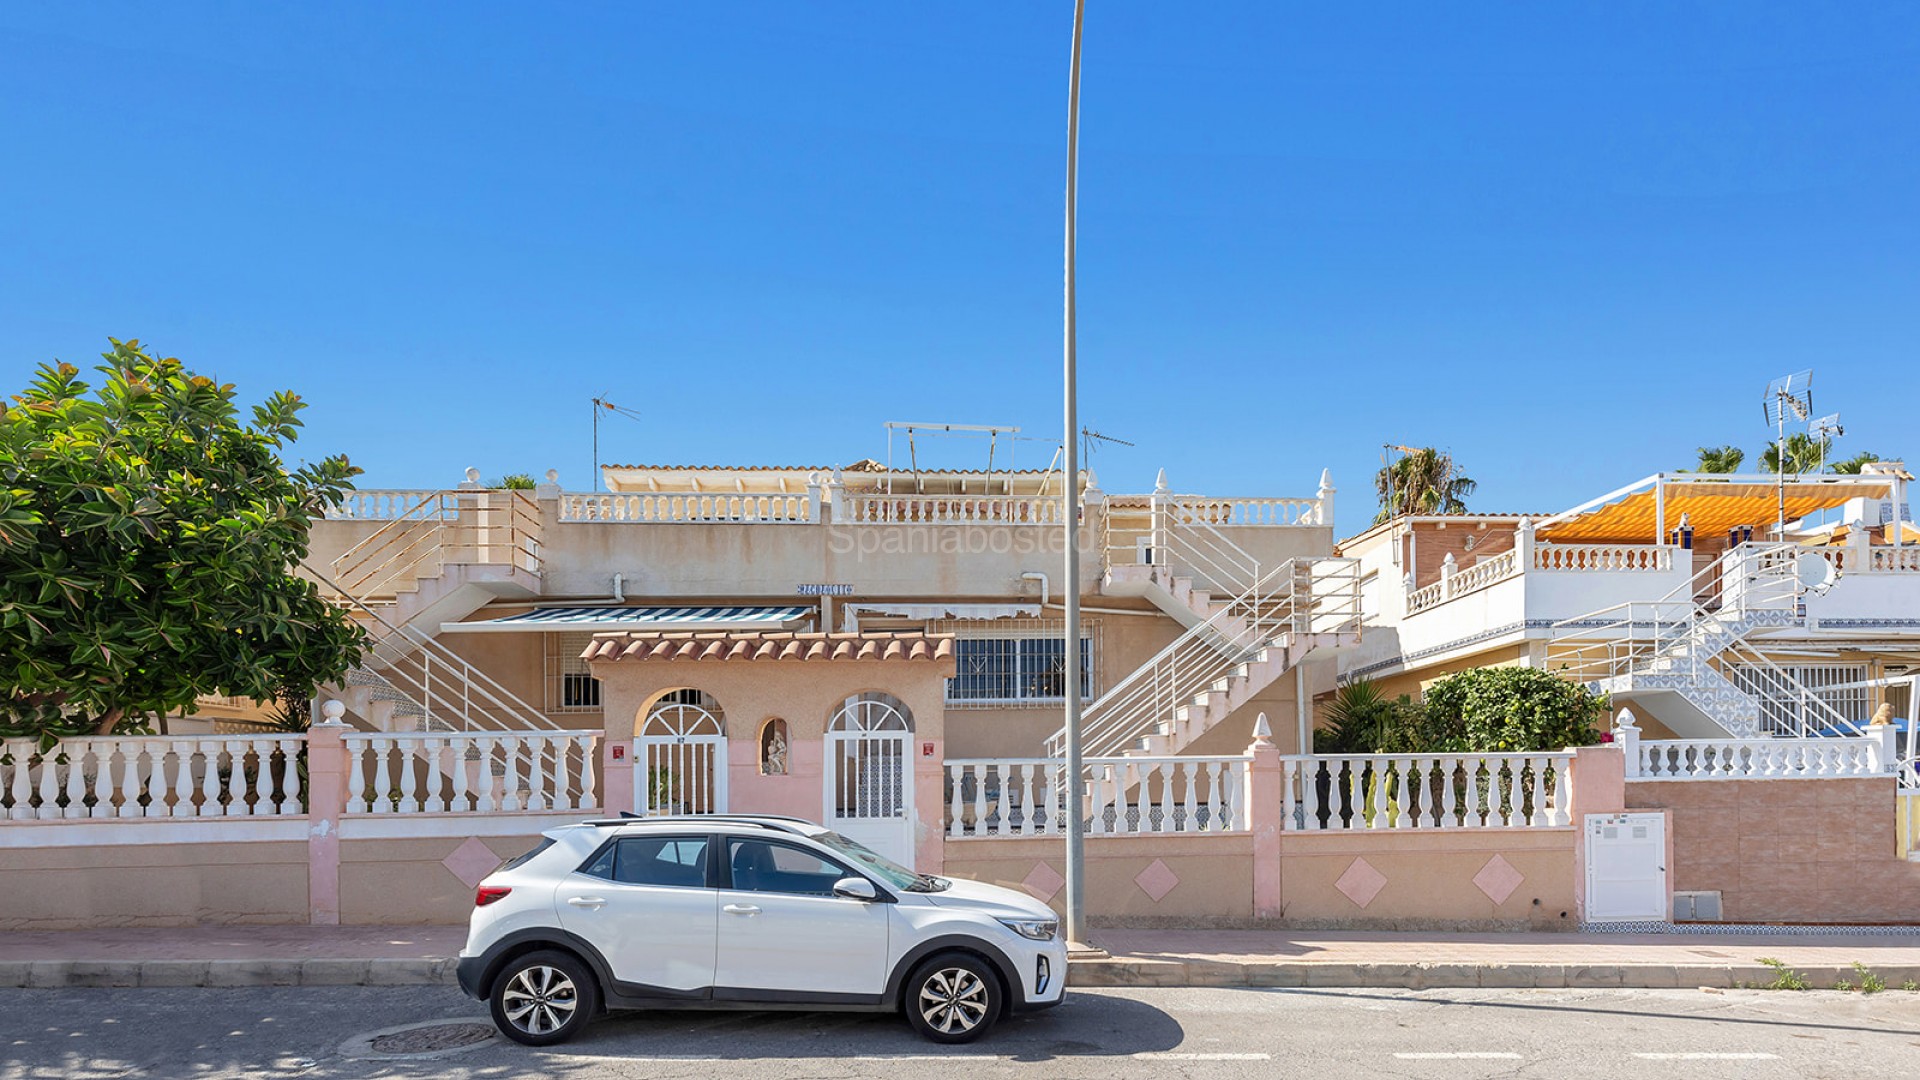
(263, 777)
(382, 775)
(1516, 808)
(356, 775)
(1029, 802)
(290, 778)
(1003, 801)
(956, 778)
(156, 785)
(537, 778)
(183, 752)
(1446, 802)
(510, 779)
(1310, 794)
(483, 800)
(1099, 798)
(589, 779)
(76, 778)
(1192, 807)
(129, 779)
(433, 752)
(982, 777)
(564, 796)
(236, 778)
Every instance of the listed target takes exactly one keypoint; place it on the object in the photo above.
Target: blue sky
(1569, 243)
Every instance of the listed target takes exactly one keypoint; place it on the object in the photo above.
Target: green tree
(1804, 454)
(148, 539)
(1510, 709)
(1359, 720)
(513, 482)
(1423, 481)
(1720, 459)
(1857, 463)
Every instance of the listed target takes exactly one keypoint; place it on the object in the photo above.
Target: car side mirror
(855, 888)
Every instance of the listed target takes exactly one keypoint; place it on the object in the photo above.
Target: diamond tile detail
(1361, 883)
(1042, 881)
(1157, 880)
(1498, 879)
(472, 861)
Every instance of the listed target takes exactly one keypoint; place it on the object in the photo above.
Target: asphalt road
(1226, 1034)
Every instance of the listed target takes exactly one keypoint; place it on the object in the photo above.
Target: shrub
(1495, 710)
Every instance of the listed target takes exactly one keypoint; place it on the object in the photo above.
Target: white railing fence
(1426, 791)
(479, 772)
(1602, 557)
(159, 776)
(1753, 759)
(878, 508)
(692, 508)
(1129, 796)
(386, 505)
(1457, 583)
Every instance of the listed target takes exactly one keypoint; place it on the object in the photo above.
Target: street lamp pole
(1076, 847)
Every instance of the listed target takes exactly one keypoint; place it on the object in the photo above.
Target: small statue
(773, 753)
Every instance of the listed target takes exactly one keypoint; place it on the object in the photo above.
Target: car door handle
(588, 901)
(741, 909)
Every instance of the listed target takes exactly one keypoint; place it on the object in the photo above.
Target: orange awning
(1711, 505)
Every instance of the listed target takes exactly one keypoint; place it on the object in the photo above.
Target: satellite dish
(1814, 572)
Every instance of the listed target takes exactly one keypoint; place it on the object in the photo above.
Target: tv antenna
(1787, 398)
(1088, 437)
(1824, 430)
(600, 405)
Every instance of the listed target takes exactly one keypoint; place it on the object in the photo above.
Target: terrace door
(869, 774)
(680, 762)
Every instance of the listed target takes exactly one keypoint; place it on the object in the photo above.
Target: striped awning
(603, 619)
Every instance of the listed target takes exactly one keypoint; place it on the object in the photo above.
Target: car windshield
(882, 867)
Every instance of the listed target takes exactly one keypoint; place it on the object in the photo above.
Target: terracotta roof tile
(755, 645)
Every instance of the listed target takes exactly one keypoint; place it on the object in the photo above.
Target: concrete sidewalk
(418, 955)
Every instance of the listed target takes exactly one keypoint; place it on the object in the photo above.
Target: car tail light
(487, 894)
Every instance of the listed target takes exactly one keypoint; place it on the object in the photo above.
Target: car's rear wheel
(543, 998)
(952, 998)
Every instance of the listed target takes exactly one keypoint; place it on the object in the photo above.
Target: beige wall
(1429, 879)
(171, 884)
(1214, 874)
(1788, 850)
(406, 882)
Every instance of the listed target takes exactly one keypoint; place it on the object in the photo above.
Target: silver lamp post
(1076, 854)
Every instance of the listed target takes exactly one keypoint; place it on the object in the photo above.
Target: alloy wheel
(953, 1000)
(540, 999)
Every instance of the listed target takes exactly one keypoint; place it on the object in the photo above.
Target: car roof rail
(764, 821)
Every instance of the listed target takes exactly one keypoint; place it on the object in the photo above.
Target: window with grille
(571, 687)
(1027, 665)
(1842, 686)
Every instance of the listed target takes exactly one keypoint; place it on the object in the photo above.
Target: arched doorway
(869, 774)
(681, 756)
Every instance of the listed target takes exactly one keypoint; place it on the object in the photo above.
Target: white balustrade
(1122, 796)
(1489, 571)
(691, 508)
(1757, 759)
(1602, 557)
(471, 772)
(383, 505)
(157, 776)
(1223, 511)
(1426, 791)
(1895, 560)
(876, 508)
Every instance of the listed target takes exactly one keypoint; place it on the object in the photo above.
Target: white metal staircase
(1246, 625)
(1688, 655)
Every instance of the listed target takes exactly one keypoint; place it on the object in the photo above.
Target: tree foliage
(1424, 481)
(148, 537)
(1510, 709)
(1857, 463)
(1720, 459)
(1804, 454)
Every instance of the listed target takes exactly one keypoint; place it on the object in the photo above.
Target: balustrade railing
(488, 528)
(1489, 571)
(1426, 791)
(479, 772)
(692, 508)
(1892, 560)
(1121, 796)
(1752, 759)
(1225, 511)
(158, 776)
(1602, 557)
(380, 504)
(875, 508)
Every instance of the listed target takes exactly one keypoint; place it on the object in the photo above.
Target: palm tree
(1804, 454)
(1424, 481)
(1720, 459)
(1856, 464)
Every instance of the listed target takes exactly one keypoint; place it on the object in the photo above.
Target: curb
(1116, 972)
(1223, 973)
(60, 974)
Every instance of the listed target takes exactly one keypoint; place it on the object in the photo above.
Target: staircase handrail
(1781, 681)
(418, 535)
(505, 700)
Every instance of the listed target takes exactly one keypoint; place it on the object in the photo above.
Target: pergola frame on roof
(1843, 486)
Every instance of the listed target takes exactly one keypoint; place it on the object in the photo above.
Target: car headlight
(1034, 929)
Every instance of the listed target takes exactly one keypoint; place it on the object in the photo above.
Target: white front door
(680, 758)
(645, 903)
(1626, 867)
(782, 928)
(869, 774)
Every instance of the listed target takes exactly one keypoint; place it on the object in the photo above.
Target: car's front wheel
(544, 998)
(952, 998)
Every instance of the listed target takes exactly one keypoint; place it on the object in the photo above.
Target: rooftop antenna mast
(1088, 437)
(1787, 398)
(600, 405)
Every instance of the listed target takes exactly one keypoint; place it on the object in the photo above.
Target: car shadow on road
(1085, 1025)
(1718, 1016)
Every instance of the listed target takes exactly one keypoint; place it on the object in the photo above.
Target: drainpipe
(619, 588)
(1041, 577)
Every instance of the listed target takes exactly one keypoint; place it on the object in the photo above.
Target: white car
(724, 912)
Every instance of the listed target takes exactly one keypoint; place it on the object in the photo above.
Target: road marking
(1704, 1055)
(1177, 1055)
(1460, 1055)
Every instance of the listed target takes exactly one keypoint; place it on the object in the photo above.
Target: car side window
(761, 866)
(674, 861)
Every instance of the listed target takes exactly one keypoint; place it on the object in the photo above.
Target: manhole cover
(426, 1040)
(429, 1039)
